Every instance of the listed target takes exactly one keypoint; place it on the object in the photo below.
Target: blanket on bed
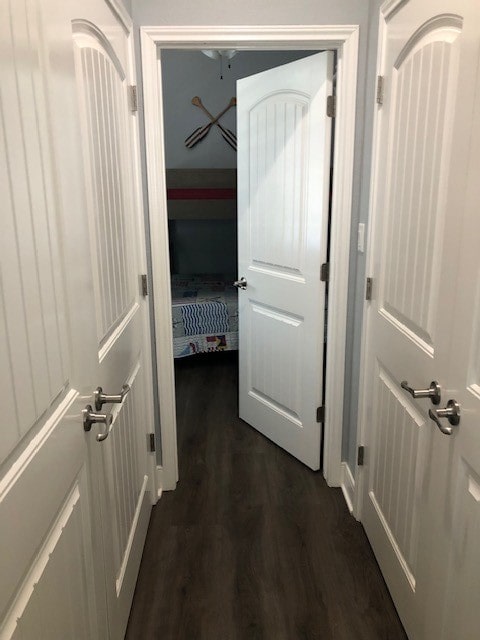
(204, 314)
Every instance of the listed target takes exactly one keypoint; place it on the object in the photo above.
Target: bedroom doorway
(346, 45)
(279, 109)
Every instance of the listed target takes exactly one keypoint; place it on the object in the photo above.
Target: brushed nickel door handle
(451, 412)
(90, 418)
(101, 398)
(240, 284)
(433, 392)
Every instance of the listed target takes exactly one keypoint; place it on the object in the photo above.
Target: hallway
(252, 544)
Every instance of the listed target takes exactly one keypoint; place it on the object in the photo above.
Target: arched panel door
(121, 462)
(283, 191)
(420, 165)
(74, 504)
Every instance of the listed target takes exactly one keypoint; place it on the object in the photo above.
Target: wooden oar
(201, 132)
(227, 135)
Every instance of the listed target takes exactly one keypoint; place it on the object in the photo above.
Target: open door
(283, 193)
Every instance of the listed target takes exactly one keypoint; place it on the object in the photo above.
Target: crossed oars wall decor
(200, 133)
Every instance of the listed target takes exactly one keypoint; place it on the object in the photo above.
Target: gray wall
(190, 73)
(305, 12)
(357, 273)
(205, 246)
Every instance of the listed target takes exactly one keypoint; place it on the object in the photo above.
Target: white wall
(307, 12)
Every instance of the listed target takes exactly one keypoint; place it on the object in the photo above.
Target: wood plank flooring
(252, 544)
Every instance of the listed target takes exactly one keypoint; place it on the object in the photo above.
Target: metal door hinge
(133, 98)
(325, 272)
(321, 413)
(144, 284)
(151, 442)
(331, 106)
(360, 456)
(368, 289)
(380, 89)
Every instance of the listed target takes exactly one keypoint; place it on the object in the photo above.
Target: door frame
(386, 11)
(343, 39)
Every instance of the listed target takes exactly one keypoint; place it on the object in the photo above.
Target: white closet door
(47, 342)
(73, 509)
(429, 58)
(102, 56)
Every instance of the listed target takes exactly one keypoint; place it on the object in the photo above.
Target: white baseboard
(159, 478)
(162, 482)
(348, 486)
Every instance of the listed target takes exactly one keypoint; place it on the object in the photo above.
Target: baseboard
(162, 484)
(348, 486)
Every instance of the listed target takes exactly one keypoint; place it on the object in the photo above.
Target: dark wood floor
(252, 544)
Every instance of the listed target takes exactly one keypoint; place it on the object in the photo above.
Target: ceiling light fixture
(220, 54)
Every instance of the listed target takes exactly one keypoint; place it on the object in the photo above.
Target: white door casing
(74, 511)
(343, 39)
(283, 193)
(427, 56)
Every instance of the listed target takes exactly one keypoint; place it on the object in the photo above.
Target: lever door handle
(103, 398)
(433, 392)
(451, 412)
(240, 284)
(90, 418)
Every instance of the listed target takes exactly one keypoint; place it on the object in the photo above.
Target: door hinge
(331, 106)
(380, 89)
(144, 284)
(368, 289)
(321, 413)
(360, 456)
(151, 442)
(133, 98)
(325, 272)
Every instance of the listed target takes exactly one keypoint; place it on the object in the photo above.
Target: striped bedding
(204, 314)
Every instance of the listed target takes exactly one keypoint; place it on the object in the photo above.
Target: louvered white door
(415, 482)
(283, 189)
(103, 56)
(73, 510)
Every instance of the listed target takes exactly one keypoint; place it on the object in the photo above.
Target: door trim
(343, 39)
(386, 11)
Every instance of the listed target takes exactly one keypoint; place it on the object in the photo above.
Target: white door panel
(73, 511)
(283, 180)
(418, 215)
(46, 545)
(458, 463)
(102, 71)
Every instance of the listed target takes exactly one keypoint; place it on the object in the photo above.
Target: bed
(202, 213)
(204, 314)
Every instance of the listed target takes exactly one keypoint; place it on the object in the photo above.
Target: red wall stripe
(201, 194)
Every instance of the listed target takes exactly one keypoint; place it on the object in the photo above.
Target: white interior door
(283, 192)
(73, 510)
(103, 60)
(47, 340)
(455, 482)
(415, 482)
